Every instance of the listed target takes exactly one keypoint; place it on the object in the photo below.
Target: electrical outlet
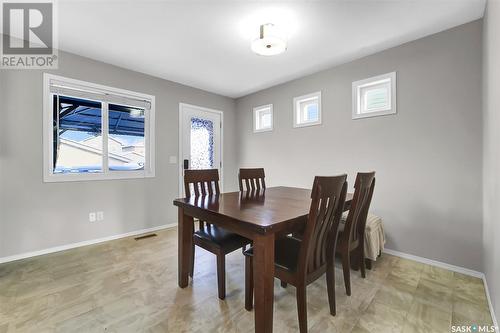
(100, 216)
(92, 217)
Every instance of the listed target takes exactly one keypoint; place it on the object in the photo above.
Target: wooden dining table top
(263, 211)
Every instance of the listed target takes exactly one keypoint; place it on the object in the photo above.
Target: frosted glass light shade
(269, 42)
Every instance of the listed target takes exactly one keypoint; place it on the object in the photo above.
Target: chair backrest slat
(202, 181)
(252, 178)
(318, 244)
(356, 219)
(217, 190)
(210, 188)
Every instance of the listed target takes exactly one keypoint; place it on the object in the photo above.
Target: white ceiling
(206, 44)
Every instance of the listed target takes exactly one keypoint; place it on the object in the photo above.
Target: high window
(307, 110)
(94, 132)
(375, 96)
(263, 118)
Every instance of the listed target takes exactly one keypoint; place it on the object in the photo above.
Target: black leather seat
(286, 253)
(220, 237)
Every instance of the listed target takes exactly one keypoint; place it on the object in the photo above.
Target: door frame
(182, 107)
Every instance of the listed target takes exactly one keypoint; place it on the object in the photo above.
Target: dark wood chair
(254, 179)
(210, 237)
(352, 233)
(300, 262)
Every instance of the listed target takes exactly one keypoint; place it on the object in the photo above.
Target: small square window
(375, 96)
(307, 110)
(263, 118)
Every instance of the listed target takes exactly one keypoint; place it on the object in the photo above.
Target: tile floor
(131, 286)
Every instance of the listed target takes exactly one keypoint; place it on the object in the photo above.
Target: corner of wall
(491, 153)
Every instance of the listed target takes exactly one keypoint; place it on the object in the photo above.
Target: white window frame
(106, 174)
(357, 86)
(256, 111)
(296, 109)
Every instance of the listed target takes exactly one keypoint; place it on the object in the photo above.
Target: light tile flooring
(131, 286)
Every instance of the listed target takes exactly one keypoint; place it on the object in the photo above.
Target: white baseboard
(453, 268)
(436, 263)
(84, 243)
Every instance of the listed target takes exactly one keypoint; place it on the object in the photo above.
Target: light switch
(172, 160)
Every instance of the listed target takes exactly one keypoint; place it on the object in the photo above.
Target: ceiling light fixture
(269, 42)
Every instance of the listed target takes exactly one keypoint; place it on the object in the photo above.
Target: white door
(200, 141)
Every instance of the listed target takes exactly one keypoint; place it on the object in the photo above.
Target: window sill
(307, 124)
(263, 130)
(112, 175)
(373, 114)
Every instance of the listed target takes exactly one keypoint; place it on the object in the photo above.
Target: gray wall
(428, 157)
(36, 215)
(491, 187)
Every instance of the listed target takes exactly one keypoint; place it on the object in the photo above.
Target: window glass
(307, 110)
(263, 118)
(126, 149)
(312, 112)
(77, 139)
(376, 99)
(375, 96)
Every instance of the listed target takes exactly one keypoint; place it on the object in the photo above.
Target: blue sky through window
(312, 112)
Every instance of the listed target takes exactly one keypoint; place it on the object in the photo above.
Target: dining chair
(254, 179)
(301, 262)
(352, 233)
(211, 237)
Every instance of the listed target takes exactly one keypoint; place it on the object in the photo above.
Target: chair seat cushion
(373, 222)
(286, 253)
(374, 235)
(222, 238)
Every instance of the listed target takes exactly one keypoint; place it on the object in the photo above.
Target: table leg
(185, 246)
(263, 267)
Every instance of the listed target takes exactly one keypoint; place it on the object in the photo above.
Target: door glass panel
(202, 144)
(126, 138)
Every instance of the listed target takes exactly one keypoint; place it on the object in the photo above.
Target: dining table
(261, 216)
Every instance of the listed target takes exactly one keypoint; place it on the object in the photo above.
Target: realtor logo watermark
(473, 329)
(29, 39)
